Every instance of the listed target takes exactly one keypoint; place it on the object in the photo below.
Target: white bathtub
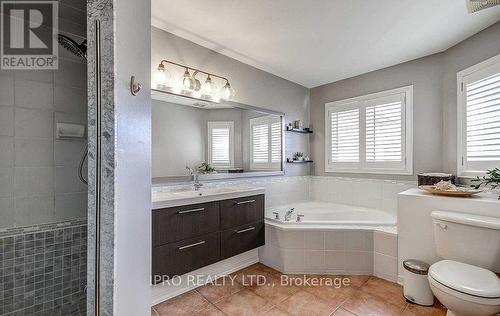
(323, 213)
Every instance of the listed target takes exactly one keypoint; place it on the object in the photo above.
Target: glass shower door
(43, 169)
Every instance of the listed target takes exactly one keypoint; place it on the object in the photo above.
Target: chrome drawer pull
(192, 245)
(245, 230)
(244, 202)
(191, 211)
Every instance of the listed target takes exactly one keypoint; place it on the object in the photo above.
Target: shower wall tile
(67, 25)
(67, 182)
(6, 120)
(7, 88)
(70, 100)
(6, 182)
(33, 181)
(33, 210)
(68, 152)
(70, 74)
(46, 76)
(34, 94)
(33, 123)
(75, 14)
(70, 205)
(32, 152)
(6, 151)
(7, 212)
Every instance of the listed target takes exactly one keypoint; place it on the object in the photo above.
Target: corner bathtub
(323, 213)
(331, 239)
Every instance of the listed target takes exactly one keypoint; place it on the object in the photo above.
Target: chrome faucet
(195, 179)
(288, 214)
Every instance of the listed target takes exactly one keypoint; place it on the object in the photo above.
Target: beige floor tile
(305, 303)
(274, 291)
(388, 291)
(342, 312)
(362, 303)
(334, 296)
(184, 304)
(219, 289)
(244, 302)
(275, 311)
(417, 310)
(210, 310)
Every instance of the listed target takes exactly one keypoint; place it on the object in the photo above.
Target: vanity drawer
(182, 222)
(185, 256)
(243, 238)
(241, 211)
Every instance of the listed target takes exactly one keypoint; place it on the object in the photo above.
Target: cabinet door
(243, 238)
(182, 222)
(185, 256)
(241, 211)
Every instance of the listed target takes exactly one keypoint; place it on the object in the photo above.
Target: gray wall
(38, 173)
(434, 83)
(475, 49)
(253, 86)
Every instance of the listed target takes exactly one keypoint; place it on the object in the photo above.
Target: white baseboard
(401, 280)
(162, 292)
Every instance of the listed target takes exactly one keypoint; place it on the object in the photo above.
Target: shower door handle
(98, 172)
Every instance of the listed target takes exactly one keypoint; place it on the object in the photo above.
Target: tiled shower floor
(364, 296)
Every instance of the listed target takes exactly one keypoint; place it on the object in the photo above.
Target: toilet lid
(466, 278)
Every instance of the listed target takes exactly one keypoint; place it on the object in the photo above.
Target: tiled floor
(364, 296)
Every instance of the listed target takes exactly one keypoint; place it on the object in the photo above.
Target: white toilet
(464, 282)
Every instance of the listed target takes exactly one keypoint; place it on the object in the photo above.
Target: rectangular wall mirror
(217, 140)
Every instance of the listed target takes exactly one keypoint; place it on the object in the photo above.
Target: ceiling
(317, 42)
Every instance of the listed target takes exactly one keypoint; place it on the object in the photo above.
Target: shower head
(72, 46)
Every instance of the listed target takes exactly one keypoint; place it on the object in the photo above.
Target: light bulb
(188, 82)
(161, 77)
(227, 92)
(210, 91)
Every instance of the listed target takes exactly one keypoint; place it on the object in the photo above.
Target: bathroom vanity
(193, 229)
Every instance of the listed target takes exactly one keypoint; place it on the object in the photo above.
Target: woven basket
(433, 178)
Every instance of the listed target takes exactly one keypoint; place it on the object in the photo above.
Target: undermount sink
(206, 191)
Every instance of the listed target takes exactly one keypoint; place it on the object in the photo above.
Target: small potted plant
(491, 180)
(206, 168)
(298, 156)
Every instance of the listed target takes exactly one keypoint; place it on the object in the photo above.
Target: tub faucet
(299, 216)
(289, 213)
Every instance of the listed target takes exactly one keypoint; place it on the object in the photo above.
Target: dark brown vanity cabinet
(186, 238)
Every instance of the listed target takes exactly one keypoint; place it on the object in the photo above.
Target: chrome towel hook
(135, 86)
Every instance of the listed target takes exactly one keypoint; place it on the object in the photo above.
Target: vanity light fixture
(189, 85)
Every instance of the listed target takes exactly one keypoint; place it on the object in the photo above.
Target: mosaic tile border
(6, 232)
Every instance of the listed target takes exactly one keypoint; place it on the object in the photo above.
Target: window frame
(221, 124)
(361, 103)
(268, 119)
(471, 74)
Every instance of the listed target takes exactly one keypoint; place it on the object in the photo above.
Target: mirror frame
(169, 97)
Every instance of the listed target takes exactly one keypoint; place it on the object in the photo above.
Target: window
(265, 143)
(220, 144)
(371, 133)
(479, 118)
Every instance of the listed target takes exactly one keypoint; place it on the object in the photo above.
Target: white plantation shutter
(260, 143)
(481, 120)
(220, 144)
(384, 130)
(370, 134)
(265, 145)
(345, 136)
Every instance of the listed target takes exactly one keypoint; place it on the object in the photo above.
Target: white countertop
(486, 197)
(174, 196)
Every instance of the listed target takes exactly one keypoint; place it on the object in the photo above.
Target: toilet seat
(465, 281)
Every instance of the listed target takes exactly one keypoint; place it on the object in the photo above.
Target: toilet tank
(468, 238)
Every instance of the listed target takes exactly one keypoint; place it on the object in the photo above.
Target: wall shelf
(299, 130)
(288, 160)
